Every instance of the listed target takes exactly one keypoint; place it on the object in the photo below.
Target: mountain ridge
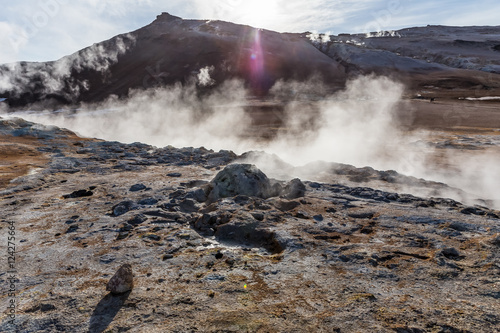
(173, 50)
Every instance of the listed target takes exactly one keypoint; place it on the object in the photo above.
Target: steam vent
(207, 176)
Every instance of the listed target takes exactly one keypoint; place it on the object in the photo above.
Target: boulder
(294, 189)
(122, 281)
(248, 180)
(240, 179)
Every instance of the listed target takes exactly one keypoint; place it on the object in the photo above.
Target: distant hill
(171, 50)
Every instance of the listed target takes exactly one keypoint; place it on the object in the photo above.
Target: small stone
(138, 219)
(122, 235)
(496, 240)
(211, 294)
(219, 255)
(361, 215)
(123, 207)
(122, 281)
(137, 187)
(258, 216)
(78, 194)
(152, 236)
(47, 307)
(107, 258)
(450, 253)
(285, 205)
(167, 256)
(148, 202)
(318, 218)
(72, 228)
(174, 175)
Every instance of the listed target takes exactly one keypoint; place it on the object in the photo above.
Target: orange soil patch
(18, 156)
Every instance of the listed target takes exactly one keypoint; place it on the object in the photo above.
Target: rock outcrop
(122, 281)
(248, 180)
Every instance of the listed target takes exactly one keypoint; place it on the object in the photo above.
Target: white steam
(53, 77)
(359, 125)
(204, 78)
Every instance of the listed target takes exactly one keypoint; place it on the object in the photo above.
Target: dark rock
(199, 195)
(188, 206)
(47, 307)
(152, 237)
(241, 199)
(496, 241)
(194, 183)
(285, 205)
(78, 194)
(473, 211)
(137, 187)
(451, 253)
(318, 218)
(126, 227)
(122, 281)
(408, 330)
(123, 207)
(245, 231)
(461, 226)
(107, 259)
(122, 235)
(258, 216)
(315, 185)
(72, 228)
(167, 256)
(294, 189)
(361, 215)
(174, 175)
(138, 219)
(302, 215)
(219, 255)
(148, 202)
(240, 179)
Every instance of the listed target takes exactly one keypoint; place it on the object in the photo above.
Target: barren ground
(350, 258)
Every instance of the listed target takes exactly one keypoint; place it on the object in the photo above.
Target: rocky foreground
(218, 248)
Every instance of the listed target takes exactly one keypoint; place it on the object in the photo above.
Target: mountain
(171, 50)
(167, 51)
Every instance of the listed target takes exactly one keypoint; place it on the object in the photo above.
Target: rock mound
(248, 180)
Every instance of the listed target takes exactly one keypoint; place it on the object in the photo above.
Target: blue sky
(42, 30)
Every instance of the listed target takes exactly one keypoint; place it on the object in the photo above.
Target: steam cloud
(17, 78)
(358, 126)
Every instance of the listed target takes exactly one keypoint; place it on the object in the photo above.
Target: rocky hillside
(216, 246)
(171, 50)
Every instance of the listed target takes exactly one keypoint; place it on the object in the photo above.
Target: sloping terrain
(433, 61)
(453, 60)
(323, 257)
(168, 51)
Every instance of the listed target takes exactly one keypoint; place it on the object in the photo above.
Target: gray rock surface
(345, 258)
(122, 281)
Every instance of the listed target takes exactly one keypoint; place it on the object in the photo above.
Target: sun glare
(259, 13)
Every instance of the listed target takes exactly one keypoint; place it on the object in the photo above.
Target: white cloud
(11, 41)
(45, 30)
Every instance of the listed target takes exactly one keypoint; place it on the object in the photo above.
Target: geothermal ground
(343, 252)
(373, 208)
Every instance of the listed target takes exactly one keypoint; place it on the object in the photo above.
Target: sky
(44, 30)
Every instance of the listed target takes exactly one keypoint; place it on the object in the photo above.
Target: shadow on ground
(106, 311)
